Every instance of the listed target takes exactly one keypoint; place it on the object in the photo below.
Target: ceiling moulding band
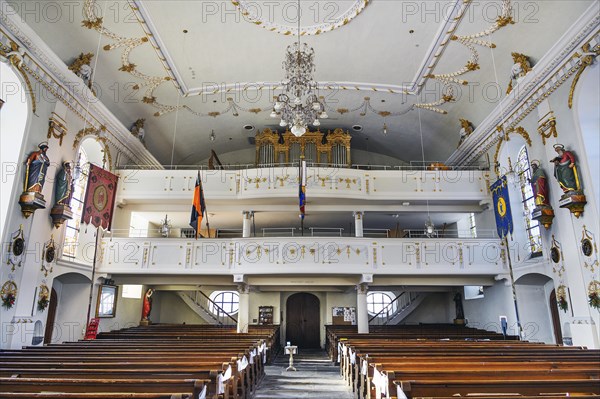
(42, 64)
(438, 46)
(553, 69)
(245, 9)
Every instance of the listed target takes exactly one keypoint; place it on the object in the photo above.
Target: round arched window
(378, 303)
(228, 301)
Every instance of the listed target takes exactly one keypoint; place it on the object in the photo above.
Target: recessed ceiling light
(357, 128)
(185, 31)
(248, 127)
(411, 31)
(215, 101)
(405, 203)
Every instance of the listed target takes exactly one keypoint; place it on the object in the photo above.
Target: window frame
(532, 227)
(372, 308)
(233, 303)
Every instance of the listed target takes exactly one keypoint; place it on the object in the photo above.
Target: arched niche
(533, 293)
(72, 294)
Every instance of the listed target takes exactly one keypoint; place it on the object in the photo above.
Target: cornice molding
(553, 69)
(43, 65)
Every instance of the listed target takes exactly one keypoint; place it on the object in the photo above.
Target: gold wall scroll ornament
(100, 136)
(585, 60)
(48, 256)
(273, 149)
(547, 127)
(16, 249)
(57, 128)
(504, 136)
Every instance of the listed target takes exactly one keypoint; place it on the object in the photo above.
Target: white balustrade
(304, 255)
(282, 182)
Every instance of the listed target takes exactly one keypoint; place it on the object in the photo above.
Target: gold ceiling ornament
(547, 127)
(469, 41)
(246, 10)
(585, 60)
(433, 106)
(57, 128)
(15, 57)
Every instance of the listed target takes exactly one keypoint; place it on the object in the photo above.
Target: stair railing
(212, 308)
(394, 308)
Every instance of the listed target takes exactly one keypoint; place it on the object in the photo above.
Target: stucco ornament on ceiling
(250, 14)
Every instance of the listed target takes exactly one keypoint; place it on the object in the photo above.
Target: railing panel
(321, 182)
(303, 255)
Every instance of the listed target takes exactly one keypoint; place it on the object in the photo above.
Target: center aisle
(317, 377)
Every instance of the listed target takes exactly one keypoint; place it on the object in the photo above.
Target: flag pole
(89, 310)
(514, 289)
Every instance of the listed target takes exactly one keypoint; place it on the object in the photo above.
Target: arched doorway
(50, 319)
(533, 291)
(555, 318)
(303, 321)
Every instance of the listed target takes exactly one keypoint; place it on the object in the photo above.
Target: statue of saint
(63, 191)
(138, 129)
(82, 68)
(520, 68)
(538, 184)
(465, 131)
(460, 313)
(565, 170)
(147, 308)
(36, 167)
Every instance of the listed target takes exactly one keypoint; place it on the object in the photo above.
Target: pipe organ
(274, 149)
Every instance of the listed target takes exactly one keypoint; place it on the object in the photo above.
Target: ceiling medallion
(248, 11)
(298, 106)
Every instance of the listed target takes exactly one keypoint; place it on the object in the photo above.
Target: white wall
(437, 307)
(535, 313)
(265, 299)
(484, 313)
(171, 309)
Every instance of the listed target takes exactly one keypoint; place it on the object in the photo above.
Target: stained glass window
(528, 201)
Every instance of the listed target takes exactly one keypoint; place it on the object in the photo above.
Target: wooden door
(555, 318)
(51, 317)
(303, 325)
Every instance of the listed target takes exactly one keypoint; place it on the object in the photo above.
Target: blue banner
(504, 222)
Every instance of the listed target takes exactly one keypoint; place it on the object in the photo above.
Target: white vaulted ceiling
(373, 50)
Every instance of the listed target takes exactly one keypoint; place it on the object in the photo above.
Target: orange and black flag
(198, 206)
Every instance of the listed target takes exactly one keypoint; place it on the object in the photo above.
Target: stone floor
(316, 378)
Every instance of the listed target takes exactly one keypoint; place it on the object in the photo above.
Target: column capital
(362, 288)
(243, 288)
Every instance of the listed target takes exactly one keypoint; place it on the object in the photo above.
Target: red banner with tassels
(99, 198)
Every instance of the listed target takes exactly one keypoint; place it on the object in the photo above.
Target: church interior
(299, 199)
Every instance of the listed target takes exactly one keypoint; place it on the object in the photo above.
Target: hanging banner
(99, 199)
(504, 223)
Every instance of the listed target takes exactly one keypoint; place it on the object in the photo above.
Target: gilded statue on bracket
(520, 68)
(465, 131)
(565, 172)
(138, 129)
(82, 67)
(36, 167)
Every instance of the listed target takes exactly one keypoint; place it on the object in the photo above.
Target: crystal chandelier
(298, 106)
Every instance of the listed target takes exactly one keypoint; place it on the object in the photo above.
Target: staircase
(316, 377)
(201, 304)
(397, 310)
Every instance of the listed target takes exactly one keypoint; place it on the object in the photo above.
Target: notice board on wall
(343, 316)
